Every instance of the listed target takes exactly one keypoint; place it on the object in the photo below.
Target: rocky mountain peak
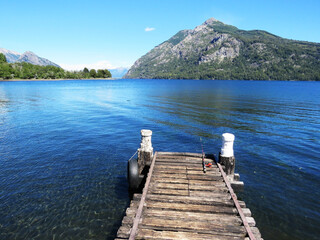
(210, 21)
(11, 56)
(32, 58)
(28, 56)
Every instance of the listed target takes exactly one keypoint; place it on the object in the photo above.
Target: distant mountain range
(215, 50)
(118, 72)
(28, 57)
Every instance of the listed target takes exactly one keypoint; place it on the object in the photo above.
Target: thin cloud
(149, 29)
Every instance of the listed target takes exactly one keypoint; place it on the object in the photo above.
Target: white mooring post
(228, 160)
(145, 152)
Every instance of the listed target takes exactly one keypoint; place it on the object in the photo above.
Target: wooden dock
(181, 201)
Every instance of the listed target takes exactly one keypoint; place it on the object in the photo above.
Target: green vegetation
(2, 58)
(261, 56)
(29, 71)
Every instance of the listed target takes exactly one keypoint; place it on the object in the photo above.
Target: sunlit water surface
(64, 147)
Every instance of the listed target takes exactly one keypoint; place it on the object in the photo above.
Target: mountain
(215, 50)
(118, 72)
(28, 57)
(11, 56)
(32, 58)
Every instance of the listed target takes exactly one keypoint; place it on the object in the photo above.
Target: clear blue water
(64, 147)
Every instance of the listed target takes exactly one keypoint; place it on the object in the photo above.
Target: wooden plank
(161, 154)
(211, 188)
(171, 171)
(170, 185)
(193, 216)
(183, 186)
(194, 226)
(183, 162)
(160, 165)
(167, 175)
(169, 167)
(169, 180)
(193, 184)
(190, 172)
(176, 192)
(197, 167)
(219, 199)
(204, 177)
(190, 207)
(124, 232)
(206, 194)
(174, 235)
(206, 183)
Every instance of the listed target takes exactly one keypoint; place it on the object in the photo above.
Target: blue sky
(102, 33)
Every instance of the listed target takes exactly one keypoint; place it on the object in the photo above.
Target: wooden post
(227, 159)
(226, 156)
(145, 152)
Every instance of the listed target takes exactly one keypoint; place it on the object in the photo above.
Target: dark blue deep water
(64, 147)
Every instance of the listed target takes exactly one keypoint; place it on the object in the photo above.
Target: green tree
(6, 71)
(85, 70)
(107, 73)
(100, 73)
(93, 73)
(3, 58)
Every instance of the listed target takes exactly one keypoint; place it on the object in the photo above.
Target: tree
(93, 73)
(85, 70)
(3, 58)
(107, 73)
(100, 73)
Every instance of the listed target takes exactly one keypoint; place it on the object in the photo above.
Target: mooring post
(145, 152)
(226, 156)
(227, 159)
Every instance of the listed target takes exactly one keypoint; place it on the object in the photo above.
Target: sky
(112, 34)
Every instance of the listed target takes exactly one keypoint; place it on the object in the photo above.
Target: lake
(64, 147)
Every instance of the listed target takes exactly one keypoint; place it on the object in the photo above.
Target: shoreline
(52, 80)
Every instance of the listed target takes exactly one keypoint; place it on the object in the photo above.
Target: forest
(23, 70)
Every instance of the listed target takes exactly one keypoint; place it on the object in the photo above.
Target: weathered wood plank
(195, 184)
(159, 185)
(168, 175)
(170, 180)
(174, 235)
(161, 154)
(193, 167)
(190, 207)
(200, 173)
(194, 226)
(204, 177)
(184, 159)
(181, 162)
(194, 193)
(216, 219)
(124, 232)
(184, 163)
(217, 200)
(174, 171)
(169, 167)
(178, 192)
(206, 183)
(183, 186)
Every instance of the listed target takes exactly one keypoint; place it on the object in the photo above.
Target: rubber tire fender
(133, 174)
